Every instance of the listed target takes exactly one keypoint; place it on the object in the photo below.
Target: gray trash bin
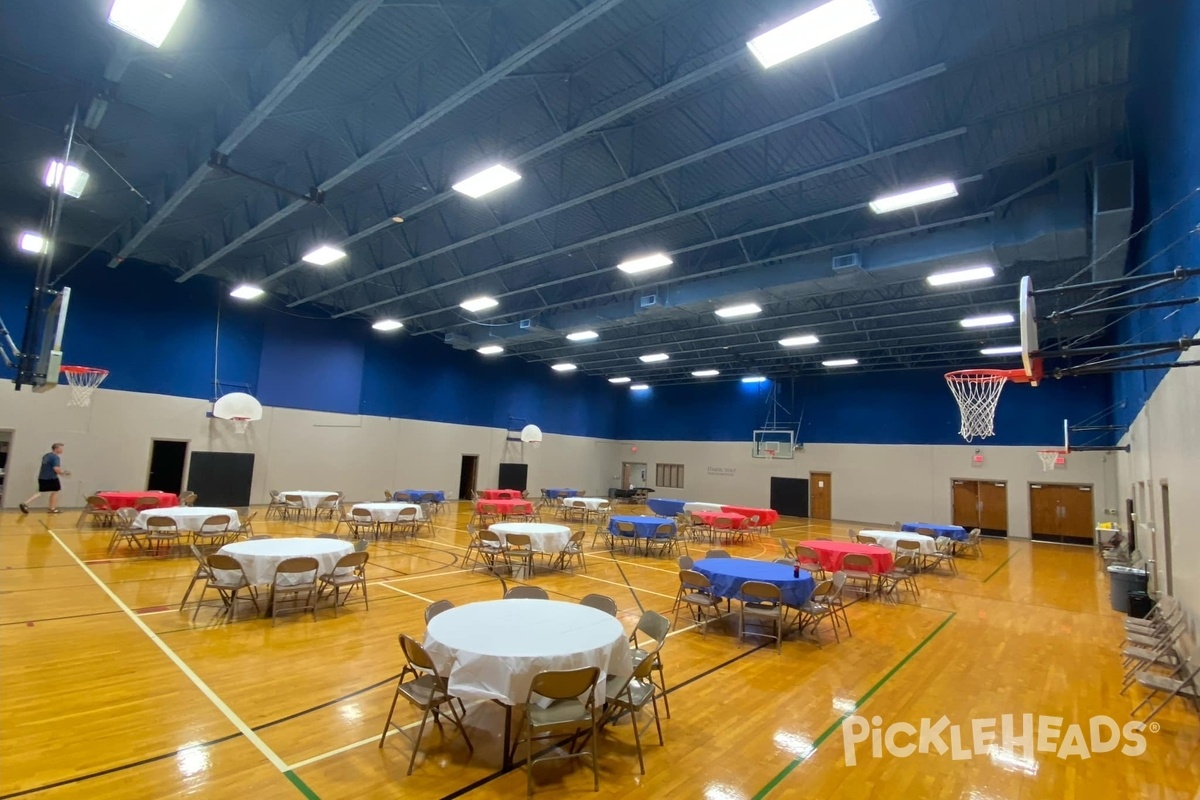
(1122, 581)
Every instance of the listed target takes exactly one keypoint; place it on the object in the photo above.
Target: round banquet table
(544, 537)
(955, 532)
(310, 499)
(129, 499)
(554, 494)
(506, 507)
(666, 506)
(415, 495)
(830, 554)
(590, 503)
(728, 575)
(888, 539)
(697, 507)
(709, 517)
(766, 516)
(189, 518)
(501, 494)
(643, 527)
(388, 512)
(260, 557)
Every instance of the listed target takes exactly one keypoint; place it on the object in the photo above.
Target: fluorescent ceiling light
(987, 320)
(490, 349)
(323, 255)
(753, 379)
(246, 291)
(811, 30)
(796, 341)
(479, 303)
(148, 20)
(965, 275)
(1009, 350)
(621, 379)
(705, 373)
(32, 242)
(486, 181)
(582, 336)
(639, 387)
(562, 367)
(643, 263)
(73, 179)
(388, 325)
(742, 310)
(840, 362)
(653, 358)
(914, 197)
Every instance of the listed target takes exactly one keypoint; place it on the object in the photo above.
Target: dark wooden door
(965, 503)
(993, 508)
(166, 466)
(1043, 511)
(1075, 522)
(820, 487)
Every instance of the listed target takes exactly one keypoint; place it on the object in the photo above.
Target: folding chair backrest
(927, 532)
(787, 561)
(526, 593)
(98, 503)
(824, 589)
(858, 561)
(654, 625)
(716, 554)
(839, 580)
(625, 528)
(600, 602)
(353, 560)
(126, 516)
(864, 538)
(520, 541)
(487, 508)
(686, 562)
(490, 536)
(806, 554)
(723, 523)
(903, 562)
(435, 608)
(416, 655)
(296, 566)
(664, 531)
(577, 537)
(566, 684)
(694, 580)
(146, 502)
(408, 514)
(361, 515)
(293, 499)
(161, 522)
(327, 536)
(219, 521)
(907, 544)
(761, 592)
(787, 550)
(220, 561)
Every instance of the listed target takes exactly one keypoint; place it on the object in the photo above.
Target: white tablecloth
(889, 538)
(702, 507)
(310, 499)
(188, 518)
(590, 503)
(388, 512)
(492, 650)
(544, 537)
(260, 557)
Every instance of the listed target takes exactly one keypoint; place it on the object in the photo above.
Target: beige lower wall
(108, 446)
(874, 483)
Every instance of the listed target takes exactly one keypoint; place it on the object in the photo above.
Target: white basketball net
(240, 424)
(1049, 458)
(83, 382)
(977, 393)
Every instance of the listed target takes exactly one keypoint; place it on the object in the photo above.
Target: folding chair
(435, 608)
(902, 574)
(428, 691)
(656, 627)
(96, 508)
(631, 696)
(225, 575)
(571, 551)
(860, 572)
(123, 530)
(292, 583)
(600, 602)
(526, 593)
(763, 601)
(696, 594)
(350, 571)
(572, 710)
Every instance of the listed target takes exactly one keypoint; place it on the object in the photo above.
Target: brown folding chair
(600, 602)
(428, 691)
(350, 571)
(226, 575)
(162, 530)
(763, 601)
(572, 710)
(696, 594)
(523, 592)
(435, 608)
(294, 584)
(97, 508)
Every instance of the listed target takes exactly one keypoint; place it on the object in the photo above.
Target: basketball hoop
(977, 392)
(240, 424)
(770, 451)
(1052, 458)
(83, 381)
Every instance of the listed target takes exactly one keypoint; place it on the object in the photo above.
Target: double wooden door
(1061, 512)
(980, 504)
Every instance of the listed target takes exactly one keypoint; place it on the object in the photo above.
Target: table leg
(508, 755)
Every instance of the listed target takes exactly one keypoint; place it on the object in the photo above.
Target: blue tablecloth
(728, 575)
(415, 495)
(644, 527)
(955, 532)
(554, 494)
(665, 507)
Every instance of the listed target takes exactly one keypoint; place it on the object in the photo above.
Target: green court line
(997, 569)
(301, 785)
(770, 787)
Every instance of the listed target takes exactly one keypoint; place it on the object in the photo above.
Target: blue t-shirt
(49, 462)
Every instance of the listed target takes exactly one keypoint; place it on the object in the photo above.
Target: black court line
(54, 619)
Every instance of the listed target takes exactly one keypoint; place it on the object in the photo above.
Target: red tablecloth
(506, 507)
(707, 517)
(766, 516)
(128, 499)
(831, 554)
(501, 494)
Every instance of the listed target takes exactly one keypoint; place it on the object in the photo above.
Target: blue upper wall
(1165, 121)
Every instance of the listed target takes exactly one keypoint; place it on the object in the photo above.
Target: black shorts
(49, 485)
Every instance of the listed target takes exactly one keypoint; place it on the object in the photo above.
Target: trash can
(1122, 581)
(1140, 604)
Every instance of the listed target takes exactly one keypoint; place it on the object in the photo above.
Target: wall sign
(722, 472)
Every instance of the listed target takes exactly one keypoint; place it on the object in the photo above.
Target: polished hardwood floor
(107, 690)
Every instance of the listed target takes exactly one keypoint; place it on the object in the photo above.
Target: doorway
(167, 459)
(466, 477)
(1166, 532)
(633, 475)
(980, 504)
(6, 438)
(789, 496)
(1061, 513)
(820, 487)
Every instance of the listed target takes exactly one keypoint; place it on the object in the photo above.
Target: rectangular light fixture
(486, 181)
(323, 255)
(388, 325)
(246, 291)
(32, 242)
(653, 358)
(754, 379)
(643, 263)
(811, 30)
(71, 177)
(741, 310)
(840, 362)
(706, 373)
(562, 367)
(582, 336)
(482, 303)
(621, 379)
(1009, 350)
(490, 350)
(987, 320)
(797, 341)
(148, 20)
(965, 275)
(639, 387)
(914, 197)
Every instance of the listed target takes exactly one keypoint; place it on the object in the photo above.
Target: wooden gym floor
(108, 691)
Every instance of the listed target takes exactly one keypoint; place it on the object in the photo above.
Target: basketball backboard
(774, 443)
(1029, 332)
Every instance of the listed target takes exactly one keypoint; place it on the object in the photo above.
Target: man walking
(48, 478)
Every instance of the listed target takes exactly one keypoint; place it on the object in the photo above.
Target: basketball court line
(196, 680)
(401, 591)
